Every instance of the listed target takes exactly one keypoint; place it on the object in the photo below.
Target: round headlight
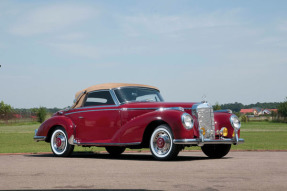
(187, 121)
(235, 122)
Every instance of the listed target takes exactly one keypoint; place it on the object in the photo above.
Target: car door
(99, 120)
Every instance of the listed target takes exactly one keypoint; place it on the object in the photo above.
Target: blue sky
(230, 51)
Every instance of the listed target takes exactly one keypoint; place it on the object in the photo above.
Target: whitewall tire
(161, 144)
(59, 143)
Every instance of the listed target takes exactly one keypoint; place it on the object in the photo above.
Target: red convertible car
(119, 116)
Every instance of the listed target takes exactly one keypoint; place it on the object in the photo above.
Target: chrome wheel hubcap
(59, 142)
(161, 143)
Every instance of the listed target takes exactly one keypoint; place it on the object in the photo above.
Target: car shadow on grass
(126, 156)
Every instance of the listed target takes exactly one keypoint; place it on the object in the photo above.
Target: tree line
(236, 107)
(7, 112)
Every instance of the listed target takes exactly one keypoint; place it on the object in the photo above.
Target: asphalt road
(139, 171)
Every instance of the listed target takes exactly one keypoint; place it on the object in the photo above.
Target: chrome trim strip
(92, 110)
(125, 109)
(156, 108)
(201, 142)
(39, 138)
(101, 106)
(170, 108)
(107, 144)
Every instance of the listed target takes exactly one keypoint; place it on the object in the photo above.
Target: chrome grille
(205, 117)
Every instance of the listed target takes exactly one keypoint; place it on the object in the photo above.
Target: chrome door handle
(81, 117)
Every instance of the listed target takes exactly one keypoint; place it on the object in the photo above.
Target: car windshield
(138, 94)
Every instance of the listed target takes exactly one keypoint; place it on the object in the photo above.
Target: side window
(99, 98)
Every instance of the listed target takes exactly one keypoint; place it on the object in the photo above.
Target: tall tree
(41, 114)
(216, 106)
(282, 108)
(6, 111)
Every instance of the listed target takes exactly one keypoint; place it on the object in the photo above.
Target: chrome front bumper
(38, 138)
(201, 142)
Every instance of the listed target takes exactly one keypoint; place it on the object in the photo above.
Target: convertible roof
(106, 86)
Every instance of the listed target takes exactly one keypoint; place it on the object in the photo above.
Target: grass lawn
(258, 136)
(263, 136)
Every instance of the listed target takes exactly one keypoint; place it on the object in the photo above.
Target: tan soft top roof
(106, 86)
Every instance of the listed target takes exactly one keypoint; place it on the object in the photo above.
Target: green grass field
(258, 136)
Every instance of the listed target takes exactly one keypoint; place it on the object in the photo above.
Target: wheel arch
(46, 129)
(50, 132)
(149, 130)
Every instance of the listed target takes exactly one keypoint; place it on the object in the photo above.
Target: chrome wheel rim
(161, 143)
(59, 142)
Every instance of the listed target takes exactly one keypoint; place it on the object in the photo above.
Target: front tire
(59, 143)
(161, 144)
(115, 151)
(216, 151)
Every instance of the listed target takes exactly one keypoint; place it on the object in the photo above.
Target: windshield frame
(123, 100)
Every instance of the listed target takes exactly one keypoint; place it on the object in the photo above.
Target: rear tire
(216, 151)
(115, 151)
(161, 144)
(59, 143)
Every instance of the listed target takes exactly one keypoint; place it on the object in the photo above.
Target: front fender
(133, 130)
(223, 120)
(63, 121)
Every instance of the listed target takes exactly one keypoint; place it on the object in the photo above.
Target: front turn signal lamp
(202, 130)
(224, 131)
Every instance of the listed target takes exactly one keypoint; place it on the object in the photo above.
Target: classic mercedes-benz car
(119, 116)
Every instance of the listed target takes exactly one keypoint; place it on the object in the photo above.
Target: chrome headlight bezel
(187, 121)
(235, 122)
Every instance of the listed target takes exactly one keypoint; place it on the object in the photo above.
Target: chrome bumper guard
(38, 138)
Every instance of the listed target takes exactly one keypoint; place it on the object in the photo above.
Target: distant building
(258, 111)
(268, 111)
(249, 111)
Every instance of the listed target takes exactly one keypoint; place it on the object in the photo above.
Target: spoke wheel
(216, 151)
(161, 144)
(59, 143)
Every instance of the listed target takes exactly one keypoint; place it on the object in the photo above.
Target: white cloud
(51, 19)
